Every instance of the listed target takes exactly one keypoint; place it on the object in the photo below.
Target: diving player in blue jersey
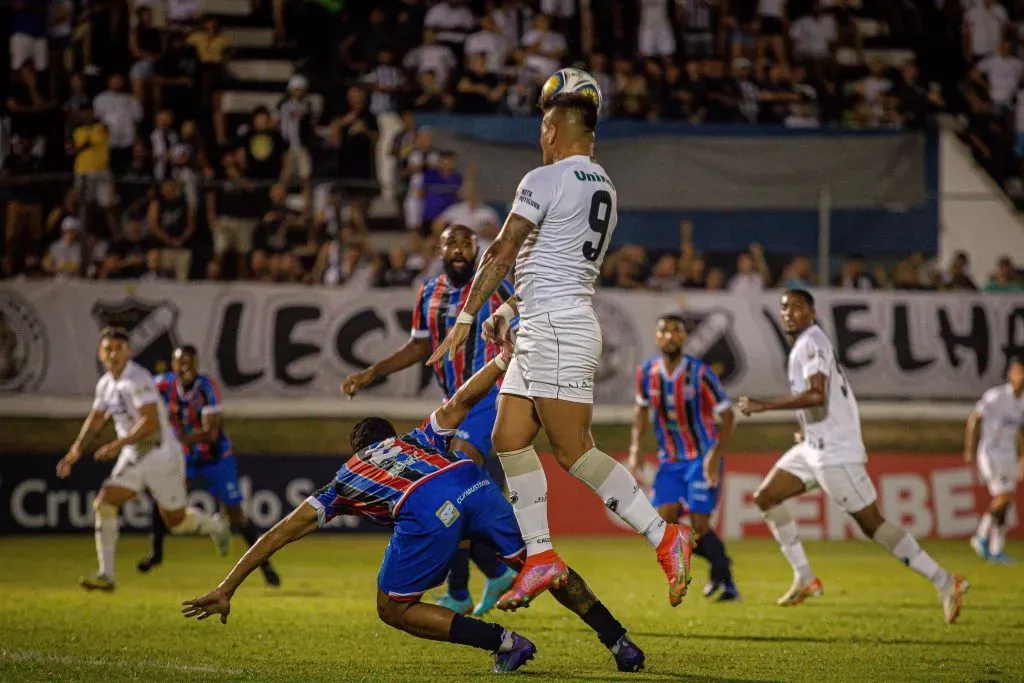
(438, 304)
(434, 497)
(693, 420)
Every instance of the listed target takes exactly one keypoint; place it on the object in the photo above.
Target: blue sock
(458, 576)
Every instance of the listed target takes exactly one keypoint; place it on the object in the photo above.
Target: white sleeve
(143, 390)
(987, 399)
(412, 60)
(98, 403)
(814, 358)
(535, 195)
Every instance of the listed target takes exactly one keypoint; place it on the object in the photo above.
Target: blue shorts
(463, 503)
(220, 478)
(479, 423)
(683, 482)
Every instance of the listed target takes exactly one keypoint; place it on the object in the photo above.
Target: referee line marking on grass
(30, 656)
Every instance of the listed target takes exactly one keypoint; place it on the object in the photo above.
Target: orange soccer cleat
(674, 553)
(540, 572)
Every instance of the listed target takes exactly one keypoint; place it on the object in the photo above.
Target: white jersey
(122, 398)
(575, 208)
(1002, 415)
(833, 429)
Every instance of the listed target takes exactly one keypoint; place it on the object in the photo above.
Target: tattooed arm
(495, 265)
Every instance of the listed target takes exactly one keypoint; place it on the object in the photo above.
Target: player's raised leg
(901, 544)
(105, 508)
(998, 512)
(567, 424)
(779, 486)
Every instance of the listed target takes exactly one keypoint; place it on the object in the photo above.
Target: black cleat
(148, 562)
(628, 657)
(272, 578)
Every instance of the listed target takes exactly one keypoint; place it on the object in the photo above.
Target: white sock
(997, 538)
(106, 543)
(528, 488)
(906, 549)
(985, 526)
(620, 493)
(783, 528)
(197, 522)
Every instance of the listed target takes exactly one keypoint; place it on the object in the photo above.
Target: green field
(876, 622)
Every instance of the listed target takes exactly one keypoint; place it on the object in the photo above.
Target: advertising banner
(932, 496)
(293, 341)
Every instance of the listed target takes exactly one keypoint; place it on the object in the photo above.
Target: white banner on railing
(278, 341)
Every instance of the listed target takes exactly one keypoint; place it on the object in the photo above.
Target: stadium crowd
(119, 160)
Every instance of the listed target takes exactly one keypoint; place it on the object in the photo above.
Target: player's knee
(765, 500)
(236, 517)
(103, 510)
(390, 612)
(701, 524)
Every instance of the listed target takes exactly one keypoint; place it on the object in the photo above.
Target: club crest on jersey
(710, 339)
(448, 513)
(24, 346)
(151, 325)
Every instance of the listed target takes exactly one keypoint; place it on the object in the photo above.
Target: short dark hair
(1014, 359)
(187, 350)
(672, 318)
(803, 294)
(370, 431)
(583, 104)
(114, 332)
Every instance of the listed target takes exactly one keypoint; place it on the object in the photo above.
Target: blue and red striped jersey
(376, 481)
(683, 406)
(187, 407)
(438, 304)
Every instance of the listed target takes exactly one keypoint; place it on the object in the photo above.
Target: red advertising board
(932, 496)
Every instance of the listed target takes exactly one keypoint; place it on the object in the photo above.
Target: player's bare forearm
(455, 409)
(575, 595)
(208, 434)
(411, 353)
(92, 425)
(726, 426)
(147, 424)
(641, 417)
(971, 435)
(301, 522)
(812, 398)
(497, 261)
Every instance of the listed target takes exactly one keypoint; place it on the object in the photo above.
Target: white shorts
(556, 356)
(847, 483)
(656, 40)
(1001, 475)
(161, 470)
(96, 188)
(26, 48)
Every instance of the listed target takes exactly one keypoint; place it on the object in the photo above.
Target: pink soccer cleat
(540, 572)
(674, 553)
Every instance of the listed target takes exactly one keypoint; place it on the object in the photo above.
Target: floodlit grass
(877, 621)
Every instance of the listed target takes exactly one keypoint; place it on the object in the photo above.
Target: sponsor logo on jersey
(524, 197)
(151, 325)
(24, 346)
(447, 513)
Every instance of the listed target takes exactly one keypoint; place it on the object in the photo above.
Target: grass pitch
(876, 622)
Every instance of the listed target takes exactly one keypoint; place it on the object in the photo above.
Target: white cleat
(800, 591)
(952, 598)
(222, 536)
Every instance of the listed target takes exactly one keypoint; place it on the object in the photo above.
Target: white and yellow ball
(574, 81)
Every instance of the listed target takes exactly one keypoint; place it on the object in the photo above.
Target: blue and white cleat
(628, 657)
(980, 546)
(729, 593)
(521, 652)
(712, 587)
(456, 605)
(1001, 558)
(493, 590)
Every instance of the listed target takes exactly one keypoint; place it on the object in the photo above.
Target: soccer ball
(575, 81)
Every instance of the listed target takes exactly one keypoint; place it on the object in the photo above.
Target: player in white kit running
(1000, 457)
(557, 234)
(148, 456)
(830, 454)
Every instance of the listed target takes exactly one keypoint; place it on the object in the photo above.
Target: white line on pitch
(29, 656)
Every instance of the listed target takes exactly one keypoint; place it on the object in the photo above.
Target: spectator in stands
(853, 275)
(282, 232)
(655, 37)
(958, 275)
(772, 25)
(232, 211)
(23, 213)
(1006, 278)
(172, 222)
(479, 91)
(26, 106)
(905, 276)
(387, 83)
(630, 93)
(814, 37)
(395, 270)
(472, 213)
(340, 261)
(155, 270)
(145, 45)
(524, 87)
(60, 27)
(1003, 73)
(490, 42)
(723, 94)
(90, 147)
(512, 18)
(355, 135)
(296, 116)
(213, 47)
(752, 273)
(162, 140)
(360, 48)
(214, 271)
(440, 190)
(665, 276)
(432, 97)
(451, 20)
(66, 257)
(431, 58)
(184, 175)
(422, 156)
(197, 149)
(184, 13)
(175, 73)
(985, 24)
(625, 268)
(715, 281)
(874, 90)
(545, 48)
(75, 101)
(70, 207)
(28, 35)
(797, 274)
(263, 147)
(916, 102)
(749, 92)
(126, 259)
(598, 68)
(120, 113)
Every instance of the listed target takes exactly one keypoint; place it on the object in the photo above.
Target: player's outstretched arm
(302, 521)
(455, 409)
(495, 265)
(641, 418)
(971, 434)
(413, 351)
(210, 431)
(815, 396)
(145, 427)
(93, 423)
